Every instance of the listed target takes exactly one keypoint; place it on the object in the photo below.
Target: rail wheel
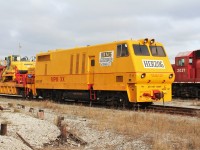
(145, 105)
(120, 100)
(30, 94)
(58, 95)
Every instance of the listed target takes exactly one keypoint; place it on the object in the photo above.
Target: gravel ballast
(34, 131)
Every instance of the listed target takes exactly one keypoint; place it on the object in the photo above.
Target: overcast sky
(41, 25)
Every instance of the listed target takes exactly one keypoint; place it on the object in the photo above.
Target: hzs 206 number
(181, 70)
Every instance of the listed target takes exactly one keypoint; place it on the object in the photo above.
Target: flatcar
(187, 75)
(121, 72)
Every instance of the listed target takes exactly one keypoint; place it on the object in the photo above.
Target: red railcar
(187, 75)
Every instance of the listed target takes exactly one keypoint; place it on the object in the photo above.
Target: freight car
(120, 72)
(187, 75)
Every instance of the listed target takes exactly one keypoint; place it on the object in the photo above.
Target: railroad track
(174, 110)
(152, 108)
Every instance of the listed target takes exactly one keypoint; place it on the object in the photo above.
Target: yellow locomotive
(121, 72)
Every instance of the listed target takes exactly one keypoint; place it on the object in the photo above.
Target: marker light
(145, 40)
(152, 41)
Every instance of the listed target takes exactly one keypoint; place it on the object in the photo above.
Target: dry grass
(162, 132)
(196, 103)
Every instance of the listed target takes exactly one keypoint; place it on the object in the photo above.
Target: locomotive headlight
(171, 76)
(143, 75)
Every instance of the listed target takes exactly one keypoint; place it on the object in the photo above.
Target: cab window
(190, 60)
(157, 51)
(122, 50)
(181, 62)
(141, 50)
(15, 58)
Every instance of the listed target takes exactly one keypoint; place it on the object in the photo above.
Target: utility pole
(19, 48)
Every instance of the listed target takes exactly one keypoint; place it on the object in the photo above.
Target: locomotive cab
(153, 73)
(184, 67)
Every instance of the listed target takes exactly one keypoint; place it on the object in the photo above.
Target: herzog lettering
(159, 64)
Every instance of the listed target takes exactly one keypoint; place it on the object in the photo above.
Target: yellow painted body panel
(9, 88)
(71, 69)
(22, 65)
(136, 91)
(49, 73)
(13, 88)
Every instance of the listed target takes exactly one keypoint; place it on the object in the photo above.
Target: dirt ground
(43, 133)
(31, 130)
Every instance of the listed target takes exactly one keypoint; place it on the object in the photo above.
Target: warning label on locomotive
(156, 64)
(106, 58)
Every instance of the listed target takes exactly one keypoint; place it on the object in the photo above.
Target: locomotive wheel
(22, 93)
(145, 105)
(90, 103)
(59, 95)
(30, 95)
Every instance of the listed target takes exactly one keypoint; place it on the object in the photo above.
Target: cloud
(50, 24)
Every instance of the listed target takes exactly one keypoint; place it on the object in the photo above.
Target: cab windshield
(157, 51)
(140, 50)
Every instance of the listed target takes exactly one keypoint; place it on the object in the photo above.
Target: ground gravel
(10, 143)
(35, 131)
